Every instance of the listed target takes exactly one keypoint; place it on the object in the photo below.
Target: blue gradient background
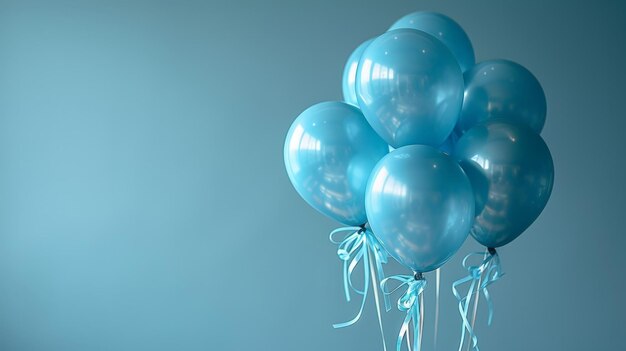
(144, 204)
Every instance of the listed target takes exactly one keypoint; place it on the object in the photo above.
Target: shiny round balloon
(349, 74)
(410, 88)
(511, 171)
(445, 29)
(501, 89)
(329, 152)
(420, 206)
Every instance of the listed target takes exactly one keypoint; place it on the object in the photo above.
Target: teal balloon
(511, 171)
(410, 88)
(445, 29)
(330, 151)
(348, 80)
(420, 206)
(501, 89)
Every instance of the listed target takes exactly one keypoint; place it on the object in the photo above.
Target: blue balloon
(420, 206)
(511, 171)
(349, 74)
(410, 88)
(501, 89)
(329, 152)
(445, 29)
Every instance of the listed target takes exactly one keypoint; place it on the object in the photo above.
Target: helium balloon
(349, 74)
(445, 29)
(511, 171)
(501, 89)
(420, 206)
(410, 88)
(329, 152)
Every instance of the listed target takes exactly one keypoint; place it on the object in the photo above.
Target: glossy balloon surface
(511, 171)
(410, 88)
(501, 89)
(329, 152)
(420, 205)
(349, 74)
(445, 29)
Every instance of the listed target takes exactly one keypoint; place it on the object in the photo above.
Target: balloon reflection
(409, 87)
(512, 173)
(420, 206)
(330, 151)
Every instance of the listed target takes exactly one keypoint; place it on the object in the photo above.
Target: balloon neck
(363, 229)
(418, 276)
(491, 250)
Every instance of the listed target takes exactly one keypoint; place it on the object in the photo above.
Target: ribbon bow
(408, 303)
(481, 276)
(354, 248)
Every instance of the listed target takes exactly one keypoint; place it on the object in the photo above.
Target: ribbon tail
(437, 284)
(480, 277)
(492, 275)
(489, 306)
(413, 316)
(365, 289)
(463, 305)
(466, 323)
(472, 335)
(346, 287)
(417, 325)
(346, 248)
(381, 273)
(375, 284)
(404, 331)
(411, 303)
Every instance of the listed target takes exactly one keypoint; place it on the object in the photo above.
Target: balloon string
(411, 303)
(479, 277)
(377, 300)
(355, 248)
(420, 297)
(437, 284)
(475, 309)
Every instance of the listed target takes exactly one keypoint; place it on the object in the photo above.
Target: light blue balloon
(511, 171)
(501, 89)
(445, 29)
(349, 74)
(329, 152)
(420, 206)
(410, 88)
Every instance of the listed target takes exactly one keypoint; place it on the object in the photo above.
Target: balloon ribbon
(360, 245)
(408, 303)
(480, 277)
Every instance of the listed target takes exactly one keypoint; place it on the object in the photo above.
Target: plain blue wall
(144, 203)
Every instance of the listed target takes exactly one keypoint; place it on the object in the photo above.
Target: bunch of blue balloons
(427, 148)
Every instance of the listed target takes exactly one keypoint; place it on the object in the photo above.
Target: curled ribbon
(408, 303)
(352, 249)
(481, 276)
